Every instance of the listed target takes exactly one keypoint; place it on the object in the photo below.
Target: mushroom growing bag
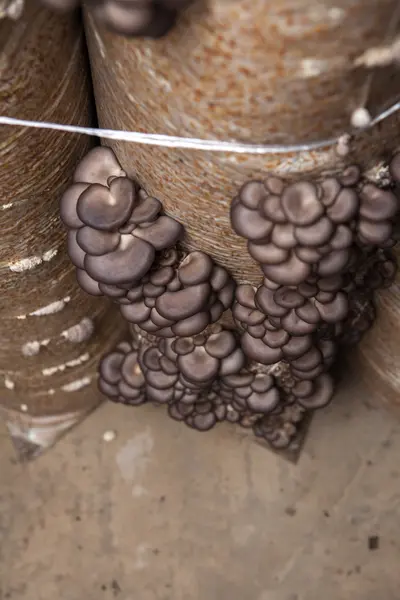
(52, 334)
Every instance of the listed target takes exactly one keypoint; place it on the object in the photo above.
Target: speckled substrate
(52, 334)
(254, 71)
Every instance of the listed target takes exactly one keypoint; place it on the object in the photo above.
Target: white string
(172, 141)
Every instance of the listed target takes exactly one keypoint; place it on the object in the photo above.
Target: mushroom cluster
(372, 271)
(138, 18)
(280, 324)
(120, 375)
(308, 229)
(180, 298)
(203, 379)
(115, 229)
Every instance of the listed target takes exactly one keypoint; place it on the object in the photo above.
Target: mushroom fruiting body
(143, 18)
(114, 229)
(181, 299)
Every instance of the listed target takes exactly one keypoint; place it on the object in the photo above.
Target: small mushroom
(308, 313)
(377, 204)
(136, 312)
(100, 208)
(147, 211)
(75, 252)
(271, 208)
(330, 188)
(275, 185)
(249, 223)
(263, 402)
(295, 325)
(297, 346)
(300, 203)
(288, 298)
(322, 393)
(132, 259)
(191, 325)
(68, 204)
(204, 422)
(316, 234)
(89, 285)
(112, 391)
(276, 339)
(257, 350)
(252, 193)
(334, 311)
(110, 367)
(97, 166)
(96, 242)
(292, 272)
(219, 278)
(160, 380)
(131, 371)
(199, 366)
(195, 268)
(232, 363)
(345, 206)
(183, 303)
(163, 233)
(333, 263)
(311, 359)
(394, 167)
(283, 236)
(302, 389)
(375, 232)
(245, 295)
(220, 345)
(268, 254)
(342, 238)
(265, 301)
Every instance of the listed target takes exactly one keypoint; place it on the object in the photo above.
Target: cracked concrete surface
(164, 513)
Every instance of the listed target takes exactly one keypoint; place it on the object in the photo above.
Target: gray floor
(164, 513)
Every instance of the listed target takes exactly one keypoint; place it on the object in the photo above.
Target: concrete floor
(163, 513)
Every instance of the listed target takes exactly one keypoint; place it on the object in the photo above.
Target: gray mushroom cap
(248, 223)
(257, 350)
(344, 207)
(97, 166)
(300, 203)
(252, 193)
(75, 252)
(221, 344)
(264, 402)
(110, 367)
(199, 366)
(162, 233)
(106, 208)
(97, 242)
(191, 325)
(271, 208)
(322, 394)
(131, 261)
(316, 234)
(268, 253)
(183, 303)
(89, 285)
(291, 272)
(147, 211)
(68, 203)
(195, 268)
(377, 204)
